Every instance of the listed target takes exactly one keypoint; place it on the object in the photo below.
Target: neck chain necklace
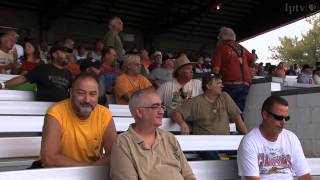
(212, 102)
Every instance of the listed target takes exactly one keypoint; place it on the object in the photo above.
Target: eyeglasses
(278, 117)
(155, 107)
(182, 94)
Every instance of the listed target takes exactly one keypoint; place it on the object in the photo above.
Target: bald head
(82, 76)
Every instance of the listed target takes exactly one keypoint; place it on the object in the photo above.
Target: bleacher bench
(34, 108)
(13, 117)
(203, 170)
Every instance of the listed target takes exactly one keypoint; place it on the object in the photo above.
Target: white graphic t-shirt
(173, 94)
(268, 160)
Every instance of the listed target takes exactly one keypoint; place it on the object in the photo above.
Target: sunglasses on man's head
(278, 117)
(215, 76)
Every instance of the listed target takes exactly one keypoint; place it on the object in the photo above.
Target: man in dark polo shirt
(231, 60)
(53, 80)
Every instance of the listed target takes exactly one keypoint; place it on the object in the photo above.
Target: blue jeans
(209, 155)
(238, 93)
(214, 155)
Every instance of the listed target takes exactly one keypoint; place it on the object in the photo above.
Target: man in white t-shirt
(17, 48)
(270, 151)
(7, 58)
(182, 88)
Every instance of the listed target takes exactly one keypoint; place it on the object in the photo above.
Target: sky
(270, 39)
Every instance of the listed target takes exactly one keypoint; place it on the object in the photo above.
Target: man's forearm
(60, 160)
(105, 160)
(240, 124)
(15, 81)
(128, 94)
(305, 177)
(177, 117)
(252, 178)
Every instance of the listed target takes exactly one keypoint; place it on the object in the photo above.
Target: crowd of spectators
(188, 87)
(306, 75)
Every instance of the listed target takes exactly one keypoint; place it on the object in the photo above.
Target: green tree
(300, 51)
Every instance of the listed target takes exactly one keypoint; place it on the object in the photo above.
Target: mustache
(86, 104)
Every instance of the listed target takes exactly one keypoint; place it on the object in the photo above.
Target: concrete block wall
(257, 94)
(304, 110)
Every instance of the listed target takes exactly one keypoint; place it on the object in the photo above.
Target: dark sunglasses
(278, 117)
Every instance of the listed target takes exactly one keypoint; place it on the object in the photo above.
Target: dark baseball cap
(307, 66)
(60, 47)
(165, 57)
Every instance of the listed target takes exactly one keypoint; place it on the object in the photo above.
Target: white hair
(112, 21)
(227, 33)
(129, 58)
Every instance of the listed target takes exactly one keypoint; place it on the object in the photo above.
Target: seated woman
(30, 61)
(31, 57)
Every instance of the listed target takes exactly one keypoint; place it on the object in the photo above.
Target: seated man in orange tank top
(77, 130)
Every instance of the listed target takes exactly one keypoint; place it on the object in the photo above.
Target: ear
(208, 85)
(70, 92)
(264, 114)
(54, 55)
(138, 113)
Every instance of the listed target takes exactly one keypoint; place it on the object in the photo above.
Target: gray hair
(127, 59)
(227, 33)
(137, 99)
(112, 21)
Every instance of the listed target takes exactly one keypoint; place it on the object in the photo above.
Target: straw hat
(180, 62)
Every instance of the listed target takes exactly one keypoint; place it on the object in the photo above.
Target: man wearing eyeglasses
(144, 151)
(270, 151)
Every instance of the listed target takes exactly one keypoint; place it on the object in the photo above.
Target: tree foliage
(300, 51)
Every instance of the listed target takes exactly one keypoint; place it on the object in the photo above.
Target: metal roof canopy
(196, 18)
